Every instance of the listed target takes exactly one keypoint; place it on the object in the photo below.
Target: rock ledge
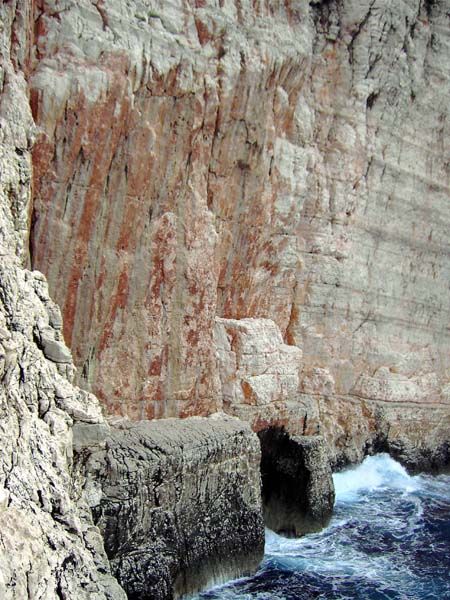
(178, 503)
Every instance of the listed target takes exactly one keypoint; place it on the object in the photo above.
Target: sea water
(389, 539)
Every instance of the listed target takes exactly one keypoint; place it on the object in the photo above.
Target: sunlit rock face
(259, 372)
(270, 160)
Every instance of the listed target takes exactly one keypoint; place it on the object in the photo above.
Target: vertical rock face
(178, 503)
(372, 306)
(123, 199)
(49, 546)
(283, 161)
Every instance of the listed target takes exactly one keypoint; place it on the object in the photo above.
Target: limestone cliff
(239, 205)
(272, 160)
(50, 548)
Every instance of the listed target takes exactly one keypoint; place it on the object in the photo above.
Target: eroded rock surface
(259, 373)
(298, 489)
(49, 546)
(272, 160)
(178, 503)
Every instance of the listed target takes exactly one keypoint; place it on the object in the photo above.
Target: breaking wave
(389, 539)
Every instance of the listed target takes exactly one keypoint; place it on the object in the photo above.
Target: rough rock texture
(178, 503)
(277, 160)
(49, 546)
(298, 489)
(259, 373)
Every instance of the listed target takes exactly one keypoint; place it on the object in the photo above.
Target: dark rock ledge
(178, 501)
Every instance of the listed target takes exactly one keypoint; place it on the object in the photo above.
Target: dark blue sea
(389, 539)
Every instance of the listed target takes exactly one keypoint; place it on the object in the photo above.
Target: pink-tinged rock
(249, 161)
(121, 222)
(150, 195)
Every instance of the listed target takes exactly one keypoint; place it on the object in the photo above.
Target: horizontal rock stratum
(269, 160)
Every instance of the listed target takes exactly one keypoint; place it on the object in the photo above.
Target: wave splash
(376, 472)
(389, 539)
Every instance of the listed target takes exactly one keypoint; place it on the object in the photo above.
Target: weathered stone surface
(201, 474)
(298, 490)
(284, 167)
(178, 503)
(275, 160)
(49, 546)
(53, 349)
(257, 369)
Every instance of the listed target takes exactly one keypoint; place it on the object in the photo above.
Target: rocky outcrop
(239, 206)
(298, 489)
(49, 546)
(250, 160)
(178, 503)
(259, 373)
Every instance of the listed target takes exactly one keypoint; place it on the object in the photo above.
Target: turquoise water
(389, 539)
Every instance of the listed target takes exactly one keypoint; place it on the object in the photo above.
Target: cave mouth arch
(297, 485)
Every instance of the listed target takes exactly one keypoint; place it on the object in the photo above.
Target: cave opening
(297, 486)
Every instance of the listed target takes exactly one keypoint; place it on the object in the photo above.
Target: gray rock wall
(178, 503)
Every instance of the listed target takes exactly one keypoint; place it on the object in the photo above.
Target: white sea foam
(377, 542)
(218, 584)
(376, 472)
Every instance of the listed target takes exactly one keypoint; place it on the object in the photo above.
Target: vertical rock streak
(257, 160)
(49, 546)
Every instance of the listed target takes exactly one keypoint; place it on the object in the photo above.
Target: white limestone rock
(49, 546)
(256, 367)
